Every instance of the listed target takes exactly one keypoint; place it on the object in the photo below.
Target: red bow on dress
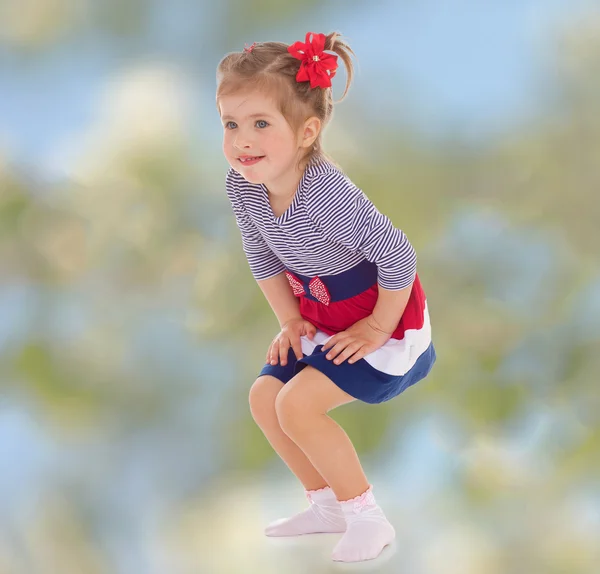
(316, 287)
(317, 67)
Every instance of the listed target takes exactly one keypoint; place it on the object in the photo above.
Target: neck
(286, 185)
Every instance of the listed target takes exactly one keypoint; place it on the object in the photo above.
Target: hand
(289, 336)
(362, 338)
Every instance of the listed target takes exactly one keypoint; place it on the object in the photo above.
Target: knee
(290, 412)
(262, 397)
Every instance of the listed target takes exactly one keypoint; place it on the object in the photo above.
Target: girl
(340, 278)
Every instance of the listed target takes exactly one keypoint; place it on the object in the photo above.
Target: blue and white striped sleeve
(263, 263)
(344, 214)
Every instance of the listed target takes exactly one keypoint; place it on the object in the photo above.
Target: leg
(263, 395)
(324, 513)
(302, 407)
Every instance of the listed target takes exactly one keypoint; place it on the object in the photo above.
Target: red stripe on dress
(339, 315)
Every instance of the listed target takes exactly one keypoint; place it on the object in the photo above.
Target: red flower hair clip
(249, 48)
(317, 67)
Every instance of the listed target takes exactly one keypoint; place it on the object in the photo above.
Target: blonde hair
(270, 69)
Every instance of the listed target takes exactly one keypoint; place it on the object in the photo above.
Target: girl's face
(257, 141)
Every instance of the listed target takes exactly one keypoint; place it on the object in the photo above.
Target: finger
(274, 352)
(271, 351)
(361, 353)
(326, 345)
(348, 352)
(332, 341)
(297, 346)
(311, 330)
(284, 347)
(339, 347)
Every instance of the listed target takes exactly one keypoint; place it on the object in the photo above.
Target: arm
(282, 300)
(286, 307)
(261, 259)
(389, 308)
(268, 270)
(345, 215)
(372, 332)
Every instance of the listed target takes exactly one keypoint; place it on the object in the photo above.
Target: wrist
(287, 320)
(377, 326)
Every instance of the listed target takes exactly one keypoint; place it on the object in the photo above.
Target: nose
(242, 140)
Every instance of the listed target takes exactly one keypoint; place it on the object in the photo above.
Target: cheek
(281, 145)
(227, 143)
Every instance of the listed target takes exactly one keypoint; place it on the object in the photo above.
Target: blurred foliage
(127, 296)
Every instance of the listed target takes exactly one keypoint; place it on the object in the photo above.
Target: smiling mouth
(250, 160)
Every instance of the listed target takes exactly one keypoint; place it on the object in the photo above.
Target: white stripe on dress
(396, 357)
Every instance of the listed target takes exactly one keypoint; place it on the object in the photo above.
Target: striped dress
(335, 248)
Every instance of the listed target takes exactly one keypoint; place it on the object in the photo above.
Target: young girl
(340, 278)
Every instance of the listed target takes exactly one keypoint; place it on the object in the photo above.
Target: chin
(252, 179)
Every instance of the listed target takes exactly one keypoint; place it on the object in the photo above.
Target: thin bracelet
(378, 328)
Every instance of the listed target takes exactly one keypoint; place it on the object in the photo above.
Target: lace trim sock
(368, 531)
(323, 515)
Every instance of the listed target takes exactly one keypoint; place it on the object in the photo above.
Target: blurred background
(131, 328)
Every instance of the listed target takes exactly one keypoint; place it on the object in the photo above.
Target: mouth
(250, 160)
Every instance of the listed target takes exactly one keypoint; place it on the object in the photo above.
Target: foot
(323, 515)
(368, 530)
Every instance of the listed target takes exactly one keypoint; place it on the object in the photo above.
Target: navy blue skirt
(360, 380)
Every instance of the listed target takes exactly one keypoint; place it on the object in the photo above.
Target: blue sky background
(436, 68)
(470, 68)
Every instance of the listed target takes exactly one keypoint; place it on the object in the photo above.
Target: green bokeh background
(131, 328)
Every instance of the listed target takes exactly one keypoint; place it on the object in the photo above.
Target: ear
(310, 131)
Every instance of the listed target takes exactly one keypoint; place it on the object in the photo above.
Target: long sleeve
(344, 214)
(263, 263)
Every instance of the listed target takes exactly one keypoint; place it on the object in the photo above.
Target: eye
(228, 124)
(262, 124)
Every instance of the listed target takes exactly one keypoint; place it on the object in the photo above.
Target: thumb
(311, 330)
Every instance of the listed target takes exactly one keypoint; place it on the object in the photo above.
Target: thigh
(312, 391)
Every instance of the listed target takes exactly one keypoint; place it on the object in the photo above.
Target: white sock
(368, 530)
(323, 515)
